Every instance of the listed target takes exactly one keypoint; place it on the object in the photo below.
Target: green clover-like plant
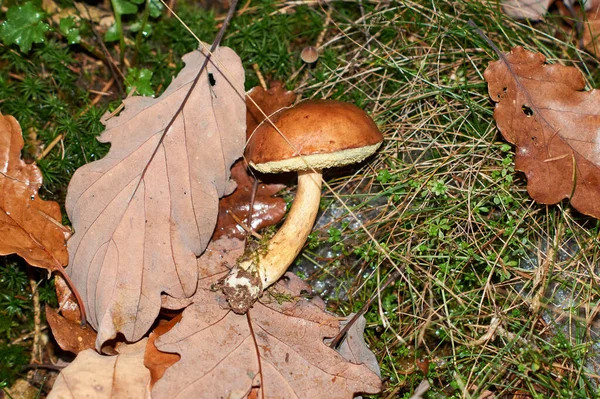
(68, 27)
(24, 26)
(141, 79)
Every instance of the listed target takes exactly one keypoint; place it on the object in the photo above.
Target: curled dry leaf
(536, 9)
(70, 335)
(555, 125)
(276, 346)
(29, 226)
(143, 213)
(266, 211)
(92, 375)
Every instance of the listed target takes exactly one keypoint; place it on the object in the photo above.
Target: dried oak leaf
(269, 101)
(277, 347)
(542, 109)
(29, 226)
(267, 210)
(70, 335)
(144, 212)
(92, 375)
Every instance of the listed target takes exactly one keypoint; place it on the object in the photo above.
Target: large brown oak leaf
(555, 125)
(144, 212)
(277, 346)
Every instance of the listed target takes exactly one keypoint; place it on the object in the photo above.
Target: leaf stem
(140, 34)
(119, 24)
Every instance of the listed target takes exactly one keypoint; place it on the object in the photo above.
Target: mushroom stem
(250, 277)
(287, 243)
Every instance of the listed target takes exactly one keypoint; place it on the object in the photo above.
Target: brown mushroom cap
(309, 55)
(326, 133)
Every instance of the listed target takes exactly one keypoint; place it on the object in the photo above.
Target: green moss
(16, 314)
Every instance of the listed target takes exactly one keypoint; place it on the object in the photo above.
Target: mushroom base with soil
(250, 277)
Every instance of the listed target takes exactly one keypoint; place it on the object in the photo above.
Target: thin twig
(260, 76)
(251, 206)
(50, 146)
(48, 366)
(116, 72)
(36, 352)
(243, 225)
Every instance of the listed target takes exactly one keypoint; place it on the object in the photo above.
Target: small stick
(172, 7)
(15, 76)
(241, 11)
(26, 336)
(66, 231)
(102, 92)
(44, 366)
(36, 352)
(112, 65)
(99, 95)
(243, 225)
(260, 76)
(251, 206)
(122, 105)
(98, 92)
(50, 146)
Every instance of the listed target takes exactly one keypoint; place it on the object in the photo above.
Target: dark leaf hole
(527, 111)
(211, 79)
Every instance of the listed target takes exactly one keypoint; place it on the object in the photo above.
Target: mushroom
(312, 135)
(309, 55)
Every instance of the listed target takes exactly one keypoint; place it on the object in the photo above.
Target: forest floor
(496, 295)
